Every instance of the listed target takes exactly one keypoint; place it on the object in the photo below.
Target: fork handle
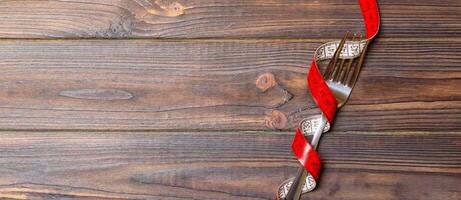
(296, 188)
(319, 131)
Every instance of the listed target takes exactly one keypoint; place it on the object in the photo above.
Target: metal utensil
(341, 79)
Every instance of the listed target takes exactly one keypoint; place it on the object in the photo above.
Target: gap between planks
(84, 132)
(247, 40)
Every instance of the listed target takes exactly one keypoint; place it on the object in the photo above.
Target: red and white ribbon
(325, 99)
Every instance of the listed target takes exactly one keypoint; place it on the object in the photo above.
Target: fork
(341, 79)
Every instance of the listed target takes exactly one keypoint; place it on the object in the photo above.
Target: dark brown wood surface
(212, 85)
(163, 99)
(216, 165)
(224, 18)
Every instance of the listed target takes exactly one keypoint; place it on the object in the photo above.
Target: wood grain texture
(96, 109)
(215, 165)
(221, 19)
(196, 85)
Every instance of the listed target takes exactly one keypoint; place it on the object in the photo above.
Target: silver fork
(341, 80)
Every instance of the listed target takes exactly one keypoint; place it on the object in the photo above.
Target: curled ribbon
(325, 99)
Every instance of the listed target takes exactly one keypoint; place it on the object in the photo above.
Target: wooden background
(159, 99)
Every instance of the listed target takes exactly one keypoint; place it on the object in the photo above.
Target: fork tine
(340, 70)
(337, 62)
(357, 68)
(345, 75)
(342, 67)
(332, 64)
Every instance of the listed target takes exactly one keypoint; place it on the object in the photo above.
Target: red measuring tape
(325, 99)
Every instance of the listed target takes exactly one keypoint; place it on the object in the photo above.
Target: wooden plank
(221, 19)
(156, 165)
(187, 85)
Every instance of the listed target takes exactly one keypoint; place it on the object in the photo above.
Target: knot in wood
(177, 8)
(276, 120)
(171, 9)
(265, 81)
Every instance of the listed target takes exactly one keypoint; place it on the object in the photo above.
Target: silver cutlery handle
(319, 131)
(296, 188)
